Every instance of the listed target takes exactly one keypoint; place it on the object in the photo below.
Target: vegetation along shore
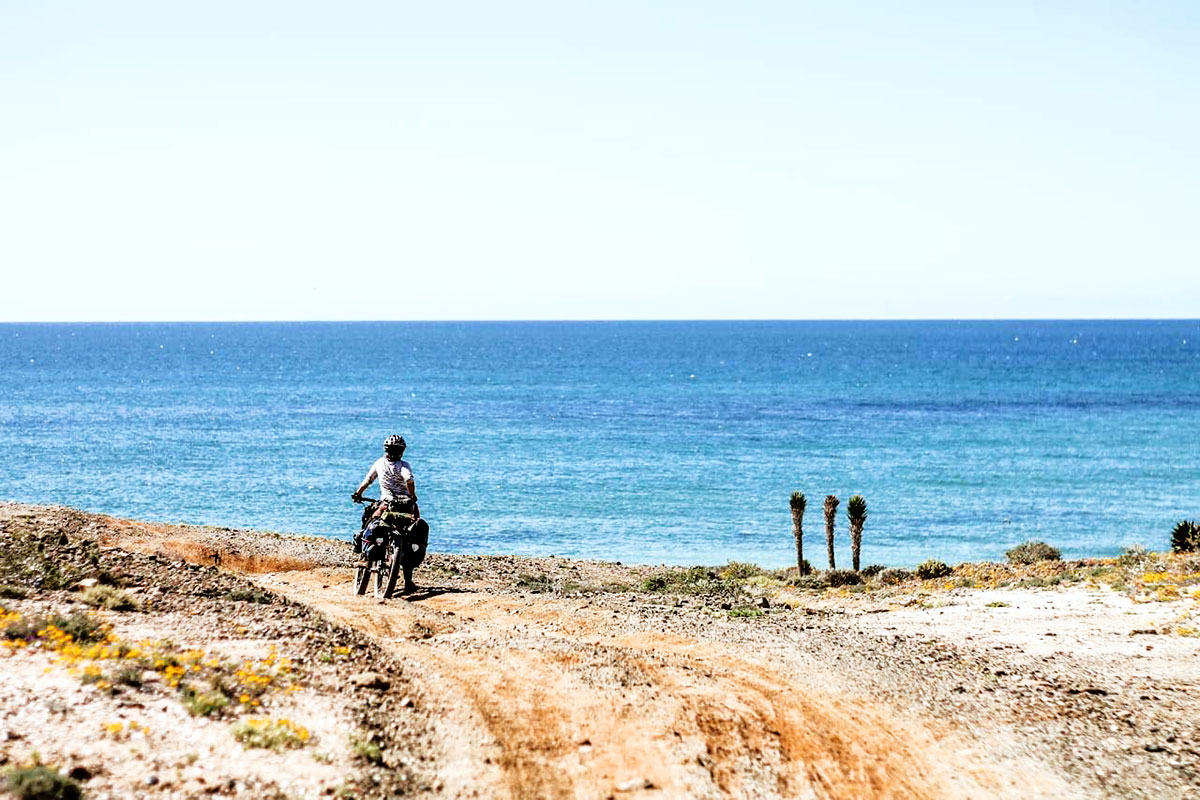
(150, 660)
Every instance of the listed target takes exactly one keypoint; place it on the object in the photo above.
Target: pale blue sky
(599, 161)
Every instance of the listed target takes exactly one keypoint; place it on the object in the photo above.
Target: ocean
(641, 442)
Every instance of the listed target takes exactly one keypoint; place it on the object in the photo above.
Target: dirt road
(547, 677)
(545, 696)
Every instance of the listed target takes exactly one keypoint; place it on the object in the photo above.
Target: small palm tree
(831, 504)
(798, 503)
(856, 510)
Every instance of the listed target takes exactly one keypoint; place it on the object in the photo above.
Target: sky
(564, 160)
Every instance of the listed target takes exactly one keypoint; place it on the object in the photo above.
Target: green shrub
(655, 583)
(894, 576)
(746, 611)
(366, 750)
(842, 577)
(871, 570)
(8, 592)
(739, 570)
(127, 675)
(249, 596)
(1134, 556)
(107, 597)
(200, 703)
(270, 734)
(1033, 552)
(42, 783)
(931, 569)
(1185, 538)
(537, 584)
(816, 581)
(693, 580)
(23, 629)
(84, 628)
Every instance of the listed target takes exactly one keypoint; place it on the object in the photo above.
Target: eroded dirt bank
(522, 678)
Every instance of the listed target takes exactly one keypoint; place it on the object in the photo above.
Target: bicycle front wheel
(395, 558)
(362, 576)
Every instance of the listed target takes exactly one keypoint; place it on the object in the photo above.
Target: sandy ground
(554, 678)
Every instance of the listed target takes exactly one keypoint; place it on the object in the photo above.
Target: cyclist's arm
(367, 481)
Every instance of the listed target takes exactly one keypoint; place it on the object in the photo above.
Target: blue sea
(644, 442)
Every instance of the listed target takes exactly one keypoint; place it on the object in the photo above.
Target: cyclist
(397, 490)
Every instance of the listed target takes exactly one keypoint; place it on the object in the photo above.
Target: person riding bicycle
(394, 474)
(397, 490)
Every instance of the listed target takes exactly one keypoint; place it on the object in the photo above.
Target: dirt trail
(558, 697)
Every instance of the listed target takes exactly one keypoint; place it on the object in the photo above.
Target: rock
(150, 780)
(80, 773)
(764, 602)
(370, 680)
(86, 583)
(634, 785)
(407, 702)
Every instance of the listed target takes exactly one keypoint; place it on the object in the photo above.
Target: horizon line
(582, 320)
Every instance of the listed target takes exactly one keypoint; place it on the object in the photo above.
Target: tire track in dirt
(538, 698)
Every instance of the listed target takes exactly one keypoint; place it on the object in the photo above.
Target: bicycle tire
(379, 577)
(385, 571)
(362, 576)
(394, 569)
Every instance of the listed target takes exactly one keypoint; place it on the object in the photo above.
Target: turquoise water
(673, 442)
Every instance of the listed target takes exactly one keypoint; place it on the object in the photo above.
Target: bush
(366, 750)
(693, 580)
(931, 569)
(871, 570)
(249, 596)
(270, 734)
(655, 583)
(738, 570)
(538, 584)
(842, 577)
(894, 576)
(816, 581)
(204, 703)
(1185, 538)
(83, 628)
(1134, 556)
(23, 628)
(42, 783)
(1033, 552)
(127, 675)
(107, 597)
(12, 592)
